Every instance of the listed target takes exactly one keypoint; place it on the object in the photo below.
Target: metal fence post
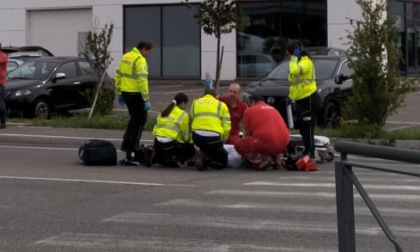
(345, 207)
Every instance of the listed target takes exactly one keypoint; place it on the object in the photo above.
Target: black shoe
(128, 162)
(201, 161)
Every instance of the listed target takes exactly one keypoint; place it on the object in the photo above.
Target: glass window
(11, 66)
(69, 69)
(86, 68)
(180, 41)
(174, 33)
(267, 27)
(324, 69)
(345, 69)
(144, 23)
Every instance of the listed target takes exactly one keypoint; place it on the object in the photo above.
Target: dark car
(16, 59)
(325, 51)
(44, 85)
(39, 49)
(333, 77)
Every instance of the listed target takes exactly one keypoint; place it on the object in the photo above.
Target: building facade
(181, 49)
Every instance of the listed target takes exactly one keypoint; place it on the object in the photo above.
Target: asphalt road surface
(51, 202)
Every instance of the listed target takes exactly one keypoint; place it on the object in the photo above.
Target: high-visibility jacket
(132, 73)
(301, 77)
(210, 114)
(175, 126)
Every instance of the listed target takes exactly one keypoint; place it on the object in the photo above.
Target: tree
(218, 17)
(95, 50)
(378, 87)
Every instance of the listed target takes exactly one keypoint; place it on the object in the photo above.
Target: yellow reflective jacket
(132, 73)
(210, 114)
(301, 77)
(175, 126)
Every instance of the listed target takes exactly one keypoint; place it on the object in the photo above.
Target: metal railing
(345, 179)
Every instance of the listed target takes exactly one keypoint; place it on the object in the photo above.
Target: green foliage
(105, 102)
(117, 121)
(218, 17)
(96, 46)
(378, 88)
(95, 50)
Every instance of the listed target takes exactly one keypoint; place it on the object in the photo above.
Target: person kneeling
(172, 143)
(266, 135)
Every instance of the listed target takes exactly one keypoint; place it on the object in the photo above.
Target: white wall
(339, 12)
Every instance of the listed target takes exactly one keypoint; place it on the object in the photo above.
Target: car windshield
(324, 69)
(33, 70)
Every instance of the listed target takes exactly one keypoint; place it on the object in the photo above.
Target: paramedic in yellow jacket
(303, 92)
(172, 134)
(131, 83)
(210, 127)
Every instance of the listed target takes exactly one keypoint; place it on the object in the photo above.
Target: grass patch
(116, 121)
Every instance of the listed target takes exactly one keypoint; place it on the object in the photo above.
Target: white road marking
(97, 181)
(148, 243)
(397, 197)
(251, 224)
(332, 185)
(397, 122)
(284, 207)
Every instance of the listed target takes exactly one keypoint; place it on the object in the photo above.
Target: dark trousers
(3, 111)
(172, 152)
(307, 110)
(213, 146)
(138, 117)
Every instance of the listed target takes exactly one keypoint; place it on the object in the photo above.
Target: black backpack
(98, 152)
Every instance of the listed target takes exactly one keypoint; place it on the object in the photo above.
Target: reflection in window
(174, 33)
(69, 69)
(269, 26)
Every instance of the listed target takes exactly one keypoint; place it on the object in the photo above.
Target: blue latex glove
(147, 106)
(297, 52)
(121, 100)
(208, 82)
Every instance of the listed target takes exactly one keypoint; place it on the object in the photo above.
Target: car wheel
(41, 109)
(331, 115)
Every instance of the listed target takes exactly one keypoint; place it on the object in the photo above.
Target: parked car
(325, 50)
(17, 58)
(333, 77)
(255, 65)
(44, 85)
(41, 50)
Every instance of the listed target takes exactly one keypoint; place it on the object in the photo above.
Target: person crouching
(266, 135)
(173, 143)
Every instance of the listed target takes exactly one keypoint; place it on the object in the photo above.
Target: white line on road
(332, 185)
(377, 196)
(284, 207)
(96, 181)
(148, 243)
(250, 224)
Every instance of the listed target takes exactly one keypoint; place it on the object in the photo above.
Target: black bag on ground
(98, 152)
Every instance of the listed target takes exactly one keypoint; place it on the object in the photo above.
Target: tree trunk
(217, 61)
(97, 94)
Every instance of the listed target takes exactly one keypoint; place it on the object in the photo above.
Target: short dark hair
(210, 92)
(256, 98)
(144, 45)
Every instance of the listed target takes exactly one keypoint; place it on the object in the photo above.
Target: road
(51, 202)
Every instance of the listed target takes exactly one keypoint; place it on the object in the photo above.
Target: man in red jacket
(3, 73)
(266, 133)
(236, 110)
